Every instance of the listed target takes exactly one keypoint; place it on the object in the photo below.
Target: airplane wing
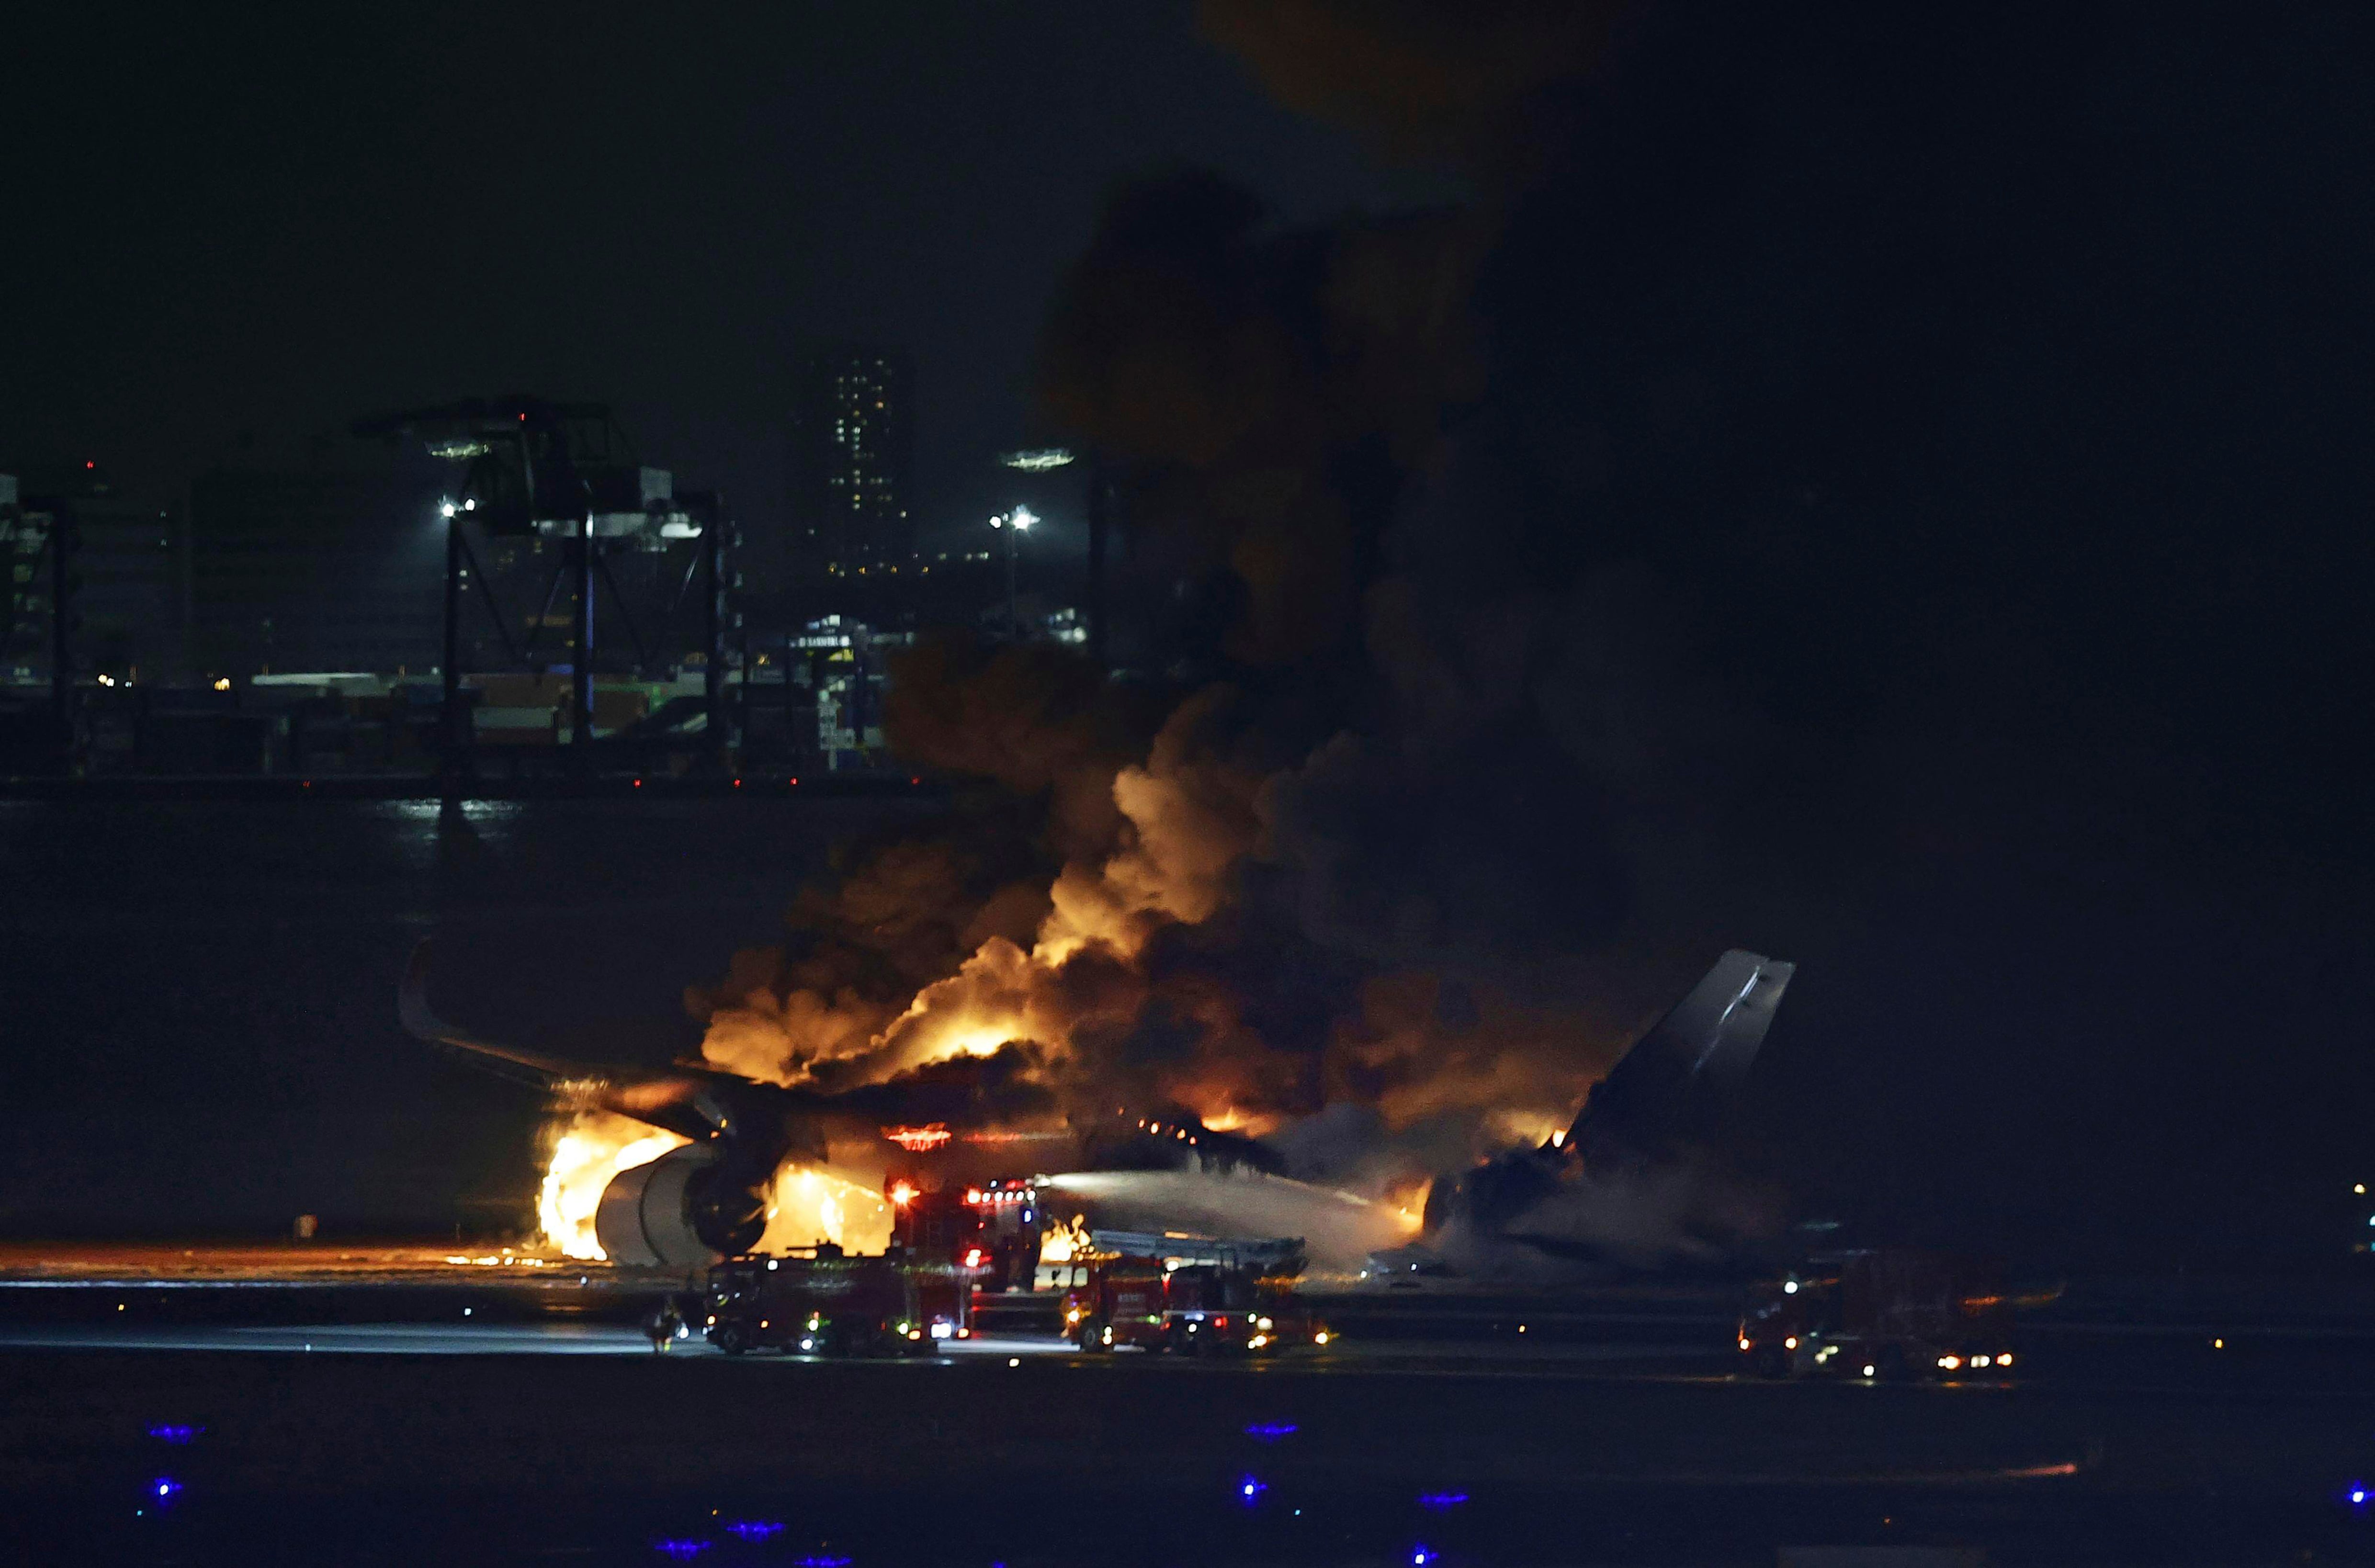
(412, 1009)
(687, 1098)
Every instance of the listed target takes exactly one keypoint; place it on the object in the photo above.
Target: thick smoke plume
(1517, 594)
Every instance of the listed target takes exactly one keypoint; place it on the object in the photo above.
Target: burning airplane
(680, 1165)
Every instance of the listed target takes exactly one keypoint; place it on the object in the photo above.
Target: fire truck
(818, 1301)
(1883, 1314)
(1011, 1228)
(1193, 1295)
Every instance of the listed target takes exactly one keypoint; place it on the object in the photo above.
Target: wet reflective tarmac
(572, 1441)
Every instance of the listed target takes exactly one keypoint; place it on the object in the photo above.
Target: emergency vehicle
(1883, 1313)
(1188, 1294)
(818, 1301)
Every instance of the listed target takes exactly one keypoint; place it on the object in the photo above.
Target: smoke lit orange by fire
(1186, 821)
(1189, 823)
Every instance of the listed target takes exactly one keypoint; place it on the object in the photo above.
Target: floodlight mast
(563, 472)
(1012, 525)
(1044, 459)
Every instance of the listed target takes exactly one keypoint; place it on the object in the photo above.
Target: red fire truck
(1189, 1295)
(819, 1301)
(1890, 1314)
(993, 1228)
(1011, 1228)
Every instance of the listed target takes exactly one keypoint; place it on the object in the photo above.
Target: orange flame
(808, 1205)
(587, 1152)
(1065, 1244)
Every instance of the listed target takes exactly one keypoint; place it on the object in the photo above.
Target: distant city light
(1036, 459)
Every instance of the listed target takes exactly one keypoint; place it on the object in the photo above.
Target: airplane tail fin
(1691, 1058)
(1720, 1024)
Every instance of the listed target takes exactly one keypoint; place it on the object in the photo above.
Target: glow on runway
(422, 1340)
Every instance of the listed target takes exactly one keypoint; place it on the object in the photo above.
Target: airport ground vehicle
(820, 1301)
(1193, 1295)
(1889, 1312)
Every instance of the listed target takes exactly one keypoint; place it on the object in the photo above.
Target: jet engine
(686, 1208)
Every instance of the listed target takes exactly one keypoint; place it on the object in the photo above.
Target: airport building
(125, 566)
(851, 461)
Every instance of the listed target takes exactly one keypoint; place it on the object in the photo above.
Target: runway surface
(388, 1405)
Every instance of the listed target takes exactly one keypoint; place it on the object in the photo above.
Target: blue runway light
(1271, 1431)
(1250, 1489)
(2356, 1495)
(1441, 1499)
(1421, 1557)
(819, 1562)
(681, 1550)
(176, 1434)
(755, 1530)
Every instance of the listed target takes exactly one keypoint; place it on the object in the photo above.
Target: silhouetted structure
(853, 441)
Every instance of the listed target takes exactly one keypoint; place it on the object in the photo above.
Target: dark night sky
(275, 220)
